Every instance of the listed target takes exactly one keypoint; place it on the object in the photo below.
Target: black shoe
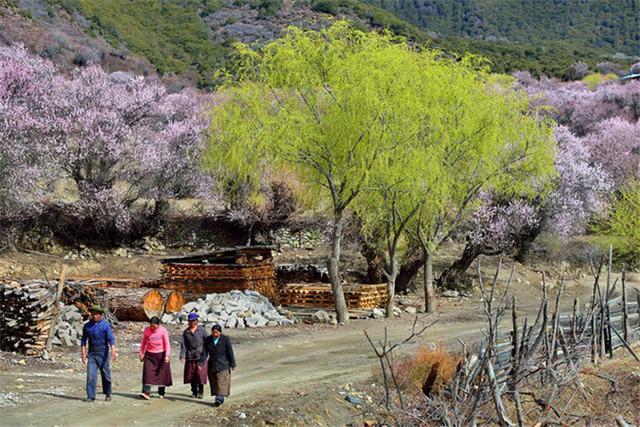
(217, 403)
(107, 398)
(88, 400)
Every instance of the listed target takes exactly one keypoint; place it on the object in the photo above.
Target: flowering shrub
(122, 139)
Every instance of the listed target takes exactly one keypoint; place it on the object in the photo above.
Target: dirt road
(285, 360)
(266, 366)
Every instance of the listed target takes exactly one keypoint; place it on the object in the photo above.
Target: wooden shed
(241, 268)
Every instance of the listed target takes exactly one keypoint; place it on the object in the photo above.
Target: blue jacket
(99, 335)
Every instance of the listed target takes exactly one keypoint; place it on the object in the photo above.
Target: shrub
(596, 79)
(429, 370)
(325, 6)
(266, 7)
(577, 71)
(211, 7)
(608, 67)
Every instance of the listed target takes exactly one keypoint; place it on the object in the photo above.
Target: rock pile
(68, 330)
(235, 309)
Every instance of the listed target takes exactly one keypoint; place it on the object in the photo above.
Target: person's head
(216, 331)
(95, 313)
(154, 323)
(192, 319)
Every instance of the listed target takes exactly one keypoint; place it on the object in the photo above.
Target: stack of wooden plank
(320, 295)
(27, 311)
(200, 279)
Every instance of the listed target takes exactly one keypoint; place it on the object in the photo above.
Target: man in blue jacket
(95, 356)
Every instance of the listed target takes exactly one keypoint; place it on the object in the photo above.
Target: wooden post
(56, 316)
(594, 340)
(574, 320)
(638, 306)
(625, 314)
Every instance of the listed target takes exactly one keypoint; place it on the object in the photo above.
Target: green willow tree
(477, 135)
(322, 105)
(359, 116)
(489, 140)
(621, 227)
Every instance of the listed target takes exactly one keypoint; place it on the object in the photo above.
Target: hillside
(613, 25)
(185, 41)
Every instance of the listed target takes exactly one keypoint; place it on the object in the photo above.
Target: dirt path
(289, 360)
(265, 366)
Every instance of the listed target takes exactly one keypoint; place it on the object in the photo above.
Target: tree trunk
(409, 270)
(391, 285)
(429, 294)
(452, 275)
(134, 304)
(524, 249)
(160, 212)
(525, 243)
(250, 234)
(333, 267)
(374, 263)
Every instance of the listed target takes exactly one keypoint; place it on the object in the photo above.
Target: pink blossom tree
(505, 222)
(124, 141)
(25, 124)
(615, 145)
(574, 105)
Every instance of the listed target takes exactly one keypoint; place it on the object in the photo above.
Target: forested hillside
(608, 24)
(192, 38)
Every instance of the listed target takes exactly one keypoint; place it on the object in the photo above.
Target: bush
(577, 71)
(596, 79)
(608, 67)
(325, 6)
(266, 7)
(211, 7)
(429, 370)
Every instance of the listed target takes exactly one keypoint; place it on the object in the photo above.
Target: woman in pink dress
(155, 350)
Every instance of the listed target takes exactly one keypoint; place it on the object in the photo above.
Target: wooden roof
(234, 255)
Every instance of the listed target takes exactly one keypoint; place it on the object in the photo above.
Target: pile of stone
(68, 330)
(235, 309)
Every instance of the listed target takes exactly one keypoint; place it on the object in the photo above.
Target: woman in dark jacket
(218, 353)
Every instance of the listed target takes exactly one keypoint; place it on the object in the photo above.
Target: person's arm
(143, 344)
(167, 346)
(183, 349)
(204, 354)
(112, 342)
(230, 356)
(83, 345)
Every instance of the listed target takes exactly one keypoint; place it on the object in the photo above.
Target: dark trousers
(146, 388)
(98, 361)
(197, 388)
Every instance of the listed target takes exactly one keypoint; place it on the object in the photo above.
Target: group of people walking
(206, 357)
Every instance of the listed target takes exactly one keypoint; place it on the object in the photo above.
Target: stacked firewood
(27, 311)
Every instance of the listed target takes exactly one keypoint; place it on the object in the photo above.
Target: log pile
(27, 311)
(129, 299)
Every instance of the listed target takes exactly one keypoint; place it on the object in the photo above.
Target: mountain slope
(190, 39)
(608, 24)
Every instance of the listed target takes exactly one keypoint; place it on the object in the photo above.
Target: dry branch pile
(523, 376)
